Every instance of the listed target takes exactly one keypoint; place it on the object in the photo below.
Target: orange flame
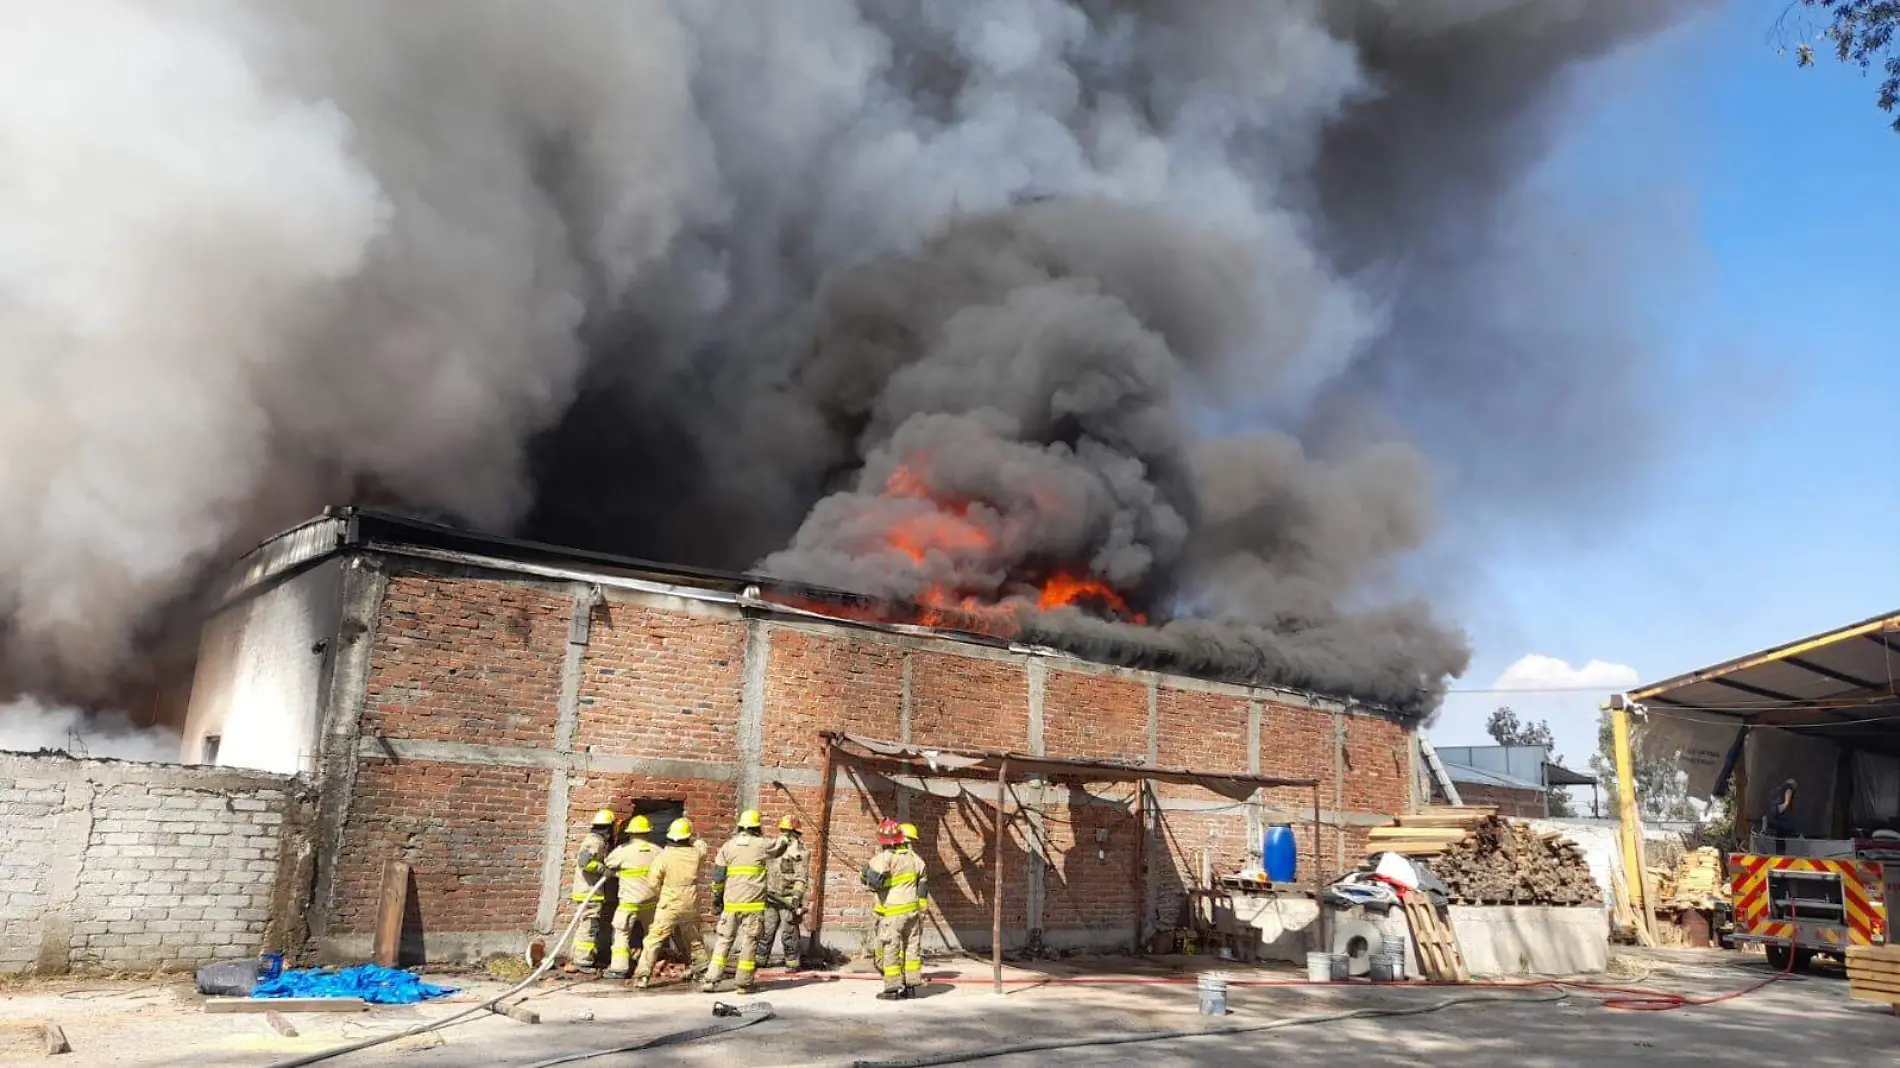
(1068, 589)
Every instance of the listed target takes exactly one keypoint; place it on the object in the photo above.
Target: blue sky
(1769, 510)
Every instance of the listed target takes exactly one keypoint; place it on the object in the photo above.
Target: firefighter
(588, 867)
(874, 931)
(632, 862)
(787, 880)
(898, 879)
(674, 879)
(739, 898)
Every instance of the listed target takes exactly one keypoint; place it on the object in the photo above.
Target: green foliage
(1862, 33)
(1504, 729)
(1662, 791)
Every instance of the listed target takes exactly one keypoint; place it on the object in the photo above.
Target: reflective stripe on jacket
(899, 880)
(633, 866)
(739, 870)
(588, 867)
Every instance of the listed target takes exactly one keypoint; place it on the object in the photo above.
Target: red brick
(662, 684)
(965, 702)
(466, 660)
(828, 682)
(1094, 717)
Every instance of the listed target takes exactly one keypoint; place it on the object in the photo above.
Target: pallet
(1438, 955)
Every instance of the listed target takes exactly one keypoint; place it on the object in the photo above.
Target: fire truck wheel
(1778, 958)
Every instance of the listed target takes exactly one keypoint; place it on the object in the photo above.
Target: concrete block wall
(493, 712)
(117, 866)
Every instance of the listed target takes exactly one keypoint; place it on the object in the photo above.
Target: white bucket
(1387, 968)
(1213, 995)
(1319, 967)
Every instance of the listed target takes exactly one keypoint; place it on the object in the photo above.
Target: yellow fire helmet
(680, 831)
(639, 825)
(749, 820)
(605, 818)
(910, 831)
(788, 822)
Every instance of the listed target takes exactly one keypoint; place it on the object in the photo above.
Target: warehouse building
(462, 703)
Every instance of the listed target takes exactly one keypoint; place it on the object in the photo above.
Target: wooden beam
(391, 906)
(285, 1004)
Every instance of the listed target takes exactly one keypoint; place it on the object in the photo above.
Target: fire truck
(1812, 896)
(1804, 742)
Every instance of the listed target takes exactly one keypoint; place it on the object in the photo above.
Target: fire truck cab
(1803, 741)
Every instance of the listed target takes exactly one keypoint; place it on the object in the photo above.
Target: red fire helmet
(889, 833)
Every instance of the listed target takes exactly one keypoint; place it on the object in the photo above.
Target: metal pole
(821, 853)
(996, 896)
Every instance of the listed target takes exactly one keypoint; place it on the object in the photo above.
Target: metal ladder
(1432, 764)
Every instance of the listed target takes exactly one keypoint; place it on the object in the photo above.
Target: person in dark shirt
(1780, 819)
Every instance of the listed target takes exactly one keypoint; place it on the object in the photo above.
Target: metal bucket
(1393, 946)
(1319, 967)
(1342, 967)
(1387, 968)
(1213, 995)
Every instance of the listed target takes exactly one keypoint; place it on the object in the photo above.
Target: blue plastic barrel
(1278, 853)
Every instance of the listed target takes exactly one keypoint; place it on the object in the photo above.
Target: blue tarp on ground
(376, 985)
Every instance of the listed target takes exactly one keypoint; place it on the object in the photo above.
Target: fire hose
(472, 1011)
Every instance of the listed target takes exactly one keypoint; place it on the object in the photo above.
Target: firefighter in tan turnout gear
(897, 877)
(589, 866)
(632, 864)
(739, 898)
(787, 881)
(674, 878)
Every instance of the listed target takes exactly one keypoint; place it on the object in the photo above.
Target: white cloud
(1536, 671)
(1539, 687)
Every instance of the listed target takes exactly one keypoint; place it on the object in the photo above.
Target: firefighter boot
(619, 968)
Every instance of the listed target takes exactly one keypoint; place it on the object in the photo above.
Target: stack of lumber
(1697, 882)
(1873, 974)
(1485, 859)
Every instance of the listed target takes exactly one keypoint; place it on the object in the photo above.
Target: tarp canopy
(927, 762)
(1802, 703)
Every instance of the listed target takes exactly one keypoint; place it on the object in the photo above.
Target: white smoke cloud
(27, 726)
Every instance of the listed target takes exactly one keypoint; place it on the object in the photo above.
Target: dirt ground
(834, 1019)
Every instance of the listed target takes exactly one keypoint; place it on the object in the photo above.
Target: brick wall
(490, 739)
(115, 866)
(1511, 801)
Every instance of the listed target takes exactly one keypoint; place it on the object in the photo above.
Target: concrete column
(340, 723)
(567, 719)
(1253, 768)
(72, 832)
(1036, 797)
(758, 652)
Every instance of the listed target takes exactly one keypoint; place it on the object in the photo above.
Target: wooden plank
(1887, 954)
(280, 1025)
(1891, 983)
(285, 1004)
(1879, 967)
(390, 905)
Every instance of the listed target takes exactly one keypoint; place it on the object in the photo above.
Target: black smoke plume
(1202, 300)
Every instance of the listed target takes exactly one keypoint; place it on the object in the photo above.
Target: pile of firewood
(1485, 859)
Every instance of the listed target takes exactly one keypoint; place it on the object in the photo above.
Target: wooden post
(390, 908)
(821, 852)
(1628, 814)
(996, 903)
